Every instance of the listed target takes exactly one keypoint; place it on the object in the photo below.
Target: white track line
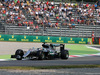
(93, 48)
(3, 60)
(71, 56)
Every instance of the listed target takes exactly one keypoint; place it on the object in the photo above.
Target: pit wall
(48, 39)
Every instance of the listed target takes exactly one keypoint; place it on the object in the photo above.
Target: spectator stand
(50, 18)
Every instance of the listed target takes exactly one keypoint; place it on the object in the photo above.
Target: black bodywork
(47, 51)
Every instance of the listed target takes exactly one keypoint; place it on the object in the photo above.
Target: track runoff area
(75, 51)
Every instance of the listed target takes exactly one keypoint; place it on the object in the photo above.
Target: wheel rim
(18, 57)
(67, 55)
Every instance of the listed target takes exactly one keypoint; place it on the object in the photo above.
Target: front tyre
(64, 54)
(19, 54)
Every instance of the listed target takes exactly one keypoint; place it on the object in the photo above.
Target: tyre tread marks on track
(70, 56)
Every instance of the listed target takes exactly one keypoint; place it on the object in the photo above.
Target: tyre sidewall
(19, 54)
(64, 54)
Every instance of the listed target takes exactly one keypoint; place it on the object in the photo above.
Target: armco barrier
(48, 39)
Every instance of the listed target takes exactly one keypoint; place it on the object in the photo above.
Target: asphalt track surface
(71, 61)
(96, 47)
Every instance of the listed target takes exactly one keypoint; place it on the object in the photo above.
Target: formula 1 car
(47, 51)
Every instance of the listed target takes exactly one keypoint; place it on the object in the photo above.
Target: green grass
(5, 56)
(50, 67)
(80, 50)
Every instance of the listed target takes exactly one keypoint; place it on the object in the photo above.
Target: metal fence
(80, 31)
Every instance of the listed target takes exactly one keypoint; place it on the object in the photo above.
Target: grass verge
(50, 67)
(5, 56)
(80, 50)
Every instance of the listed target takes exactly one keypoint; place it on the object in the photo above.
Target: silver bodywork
(51, 50)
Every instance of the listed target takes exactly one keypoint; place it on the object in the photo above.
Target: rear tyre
(19, 54)
(40, 55)
(64, 54)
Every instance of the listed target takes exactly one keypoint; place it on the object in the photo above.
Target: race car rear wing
(62, 46)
